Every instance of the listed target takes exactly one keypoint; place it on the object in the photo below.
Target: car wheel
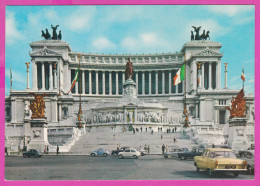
(183, 158)
(24, 156)
(210, 172)
(249, 169)
(134, 156)
(93, 154)
(121, 156)
(235, 174)
(197, 169)
(105, 154)
(142, 154)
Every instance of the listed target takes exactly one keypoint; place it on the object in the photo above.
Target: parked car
(173, 152)
(143, 151)
(249, 156)
(220, 160)
(32, 153)
(100, 152)
(196, 151)
(129, 152)
(115, 152)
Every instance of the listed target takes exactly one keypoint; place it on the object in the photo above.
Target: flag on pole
(76, 78)
(243, 77)
(180, 76)
(11, 77)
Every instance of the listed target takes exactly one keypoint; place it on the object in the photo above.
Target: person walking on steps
(57, 150)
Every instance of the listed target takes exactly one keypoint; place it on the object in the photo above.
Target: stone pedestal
(237, 139)
(129, 91)
(39, 136)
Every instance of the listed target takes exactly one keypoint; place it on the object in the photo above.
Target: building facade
(101, 80)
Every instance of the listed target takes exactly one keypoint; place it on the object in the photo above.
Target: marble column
(163, 82)
(55, 76)
(177, 88)
(77, 87)
(54, 110)
(156, 82)
(143, 82)
(83, 81)
(110, 83)
(195, 79)
(104, 83)
(97, 83)
(136, 81)
(43, 77)
(123, 76)
(34, 74)
(150, 82)
(202, 76)
(170, 82)
(116, 82)
(210, 75)
(225, 87)
(197, 110)
(90, 82)
(218, 76)
(28, 80)
(51, 78)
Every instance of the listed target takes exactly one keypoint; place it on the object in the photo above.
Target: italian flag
(76, 78)
(243, 77)
(180, 76)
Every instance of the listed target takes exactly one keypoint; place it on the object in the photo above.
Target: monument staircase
(108, 140)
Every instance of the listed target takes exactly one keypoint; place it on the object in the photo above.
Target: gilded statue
(27, 65)
(238, 106)
(129, 70)
(37, 106)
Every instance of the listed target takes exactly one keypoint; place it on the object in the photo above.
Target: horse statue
(129, 70)
(197, 30)
(203, 35)
(46, 35)
(59, 36)
(207, 35)
(54, 33)
(192, 36)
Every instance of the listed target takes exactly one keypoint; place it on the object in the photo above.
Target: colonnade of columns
(115, 82)
(40, 77)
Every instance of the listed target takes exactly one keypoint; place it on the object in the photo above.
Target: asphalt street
(150, 167)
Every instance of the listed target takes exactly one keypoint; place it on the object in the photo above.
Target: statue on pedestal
(129, 71)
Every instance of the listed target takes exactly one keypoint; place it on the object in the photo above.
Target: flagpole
(80, 108)
(10, 79)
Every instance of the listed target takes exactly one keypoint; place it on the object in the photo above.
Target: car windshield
(224, 154)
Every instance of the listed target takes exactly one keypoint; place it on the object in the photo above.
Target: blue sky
(133, 29)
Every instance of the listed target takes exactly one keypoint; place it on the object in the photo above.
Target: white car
(130, 153)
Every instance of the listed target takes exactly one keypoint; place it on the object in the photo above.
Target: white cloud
(148, 40)
(102, 43)
(12, 33)
(230, 10)
(80, 19)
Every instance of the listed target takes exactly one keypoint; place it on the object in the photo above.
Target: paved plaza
(150, 167)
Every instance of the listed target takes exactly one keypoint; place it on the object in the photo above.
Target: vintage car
(130, 153)
(99, 152)
(220, 160)
(173, 152)
(115, 152)
(196, 151)
(249, 156)
(32, 153)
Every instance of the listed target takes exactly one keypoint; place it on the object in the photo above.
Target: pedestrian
(6, 151)
(146, 129)
(158, 129)
(174, 139)
(114, 136)
(167, 149)
(57, 150)
(163, 148)
(47, 149)
(19, 149)
(117, 147)
(148, 149)
(172, 130)
(141, 129)
(152, 132)
(175, 129)
(161, 136)
(134, 130)
(213, 146)
(145, 147)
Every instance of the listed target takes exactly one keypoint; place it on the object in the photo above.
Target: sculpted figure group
(203, 36)
(37, 106)
(54, 36)
(238, 106)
